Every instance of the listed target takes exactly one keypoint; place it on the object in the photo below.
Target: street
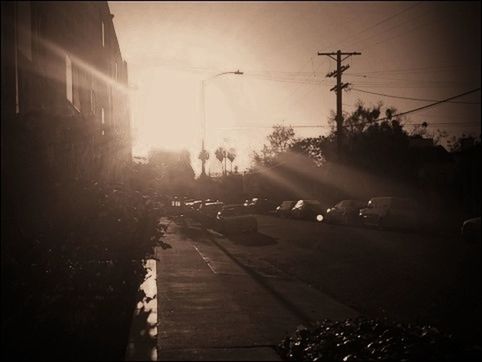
(293, 272)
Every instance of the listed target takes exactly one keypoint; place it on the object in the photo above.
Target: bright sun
(165, 111)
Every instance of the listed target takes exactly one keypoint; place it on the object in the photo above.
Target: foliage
(364, 136)
(171, 170)
(280, 140)
(220, 153)
(365, 339)
(203, 155)
(71, 277)
(231, 156)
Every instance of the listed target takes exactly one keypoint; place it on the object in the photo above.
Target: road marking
(206, 259)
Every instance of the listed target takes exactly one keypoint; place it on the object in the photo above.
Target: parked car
(345, 212)
(192, 206)
(260, 206)
(207, 213)
(471, 229)
(235, 219)
(284, 210)
(308, 210)
(392, 212)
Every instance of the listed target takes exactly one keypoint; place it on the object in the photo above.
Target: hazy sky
(426, 50)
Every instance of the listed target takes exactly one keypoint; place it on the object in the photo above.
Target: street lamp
(203, 154)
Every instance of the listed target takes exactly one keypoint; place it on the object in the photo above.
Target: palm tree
(231, 156)
(220, 155)
(203, 156)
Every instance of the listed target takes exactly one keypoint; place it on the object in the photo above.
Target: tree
(280, 140)
(221, 155)
(203, 155)
(380, 147)
(172, 171)
(231, 156)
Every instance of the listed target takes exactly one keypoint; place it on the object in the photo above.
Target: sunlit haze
(424, 50)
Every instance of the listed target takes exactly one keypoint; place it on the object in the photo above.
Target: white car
(392, 212)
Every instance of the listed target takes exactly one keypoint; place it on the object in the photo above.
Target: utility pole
(338, 88)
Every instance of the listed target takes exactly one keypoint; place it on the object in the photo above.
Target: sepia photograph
(241, 180)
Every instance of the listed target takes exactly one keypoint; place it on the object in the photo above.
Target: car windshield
(299, 204)
(344, 203)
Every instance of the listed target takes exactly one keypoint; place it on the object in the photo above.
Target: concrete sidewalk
(211, 306)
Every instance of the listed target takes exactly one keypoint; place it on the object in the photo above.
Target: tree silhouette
(231, 157)
(203, 155)
(279, 141)
(221, 155)
(171, 171)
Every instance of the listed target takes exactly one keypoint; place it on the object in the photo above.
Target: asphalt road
(400, 275)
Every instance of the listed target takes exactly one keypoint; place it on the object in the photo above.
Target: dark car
(471, 230)
(207, 213)
(260, 206)
(284, 210)
(308, 210)
(345, 212)
(235, 219)
(393, 212)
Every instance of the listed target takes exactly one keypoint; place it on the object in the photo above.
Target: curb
(142, 343)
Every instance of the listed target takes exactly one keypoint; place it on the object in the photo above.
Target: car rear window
(287, 205)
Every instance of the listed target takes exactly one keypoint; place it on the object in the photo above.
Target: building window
(17, 101)
(92, 95)
(92, 101)
(24, 31)
(68, 78)
(76, 79)
(103, 34)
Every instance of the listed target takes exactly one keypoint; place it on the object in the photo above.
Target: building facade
(64, 89)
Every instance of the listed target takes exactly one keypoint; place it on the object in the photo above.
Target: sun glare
(166, 112)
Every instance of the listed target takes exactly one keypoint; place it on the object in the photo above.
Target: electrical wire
(420, 69)
(431, 105)
(411, 21)
(409, 98)
(354, 37)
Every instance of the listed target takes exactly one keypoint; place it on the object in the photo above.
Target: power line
(409, 98)
(430, 81)
(269, 127)
(400, 86)
(377, 24)
(287, 80)
(431, 105)
(420, 69)
(411, 21)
